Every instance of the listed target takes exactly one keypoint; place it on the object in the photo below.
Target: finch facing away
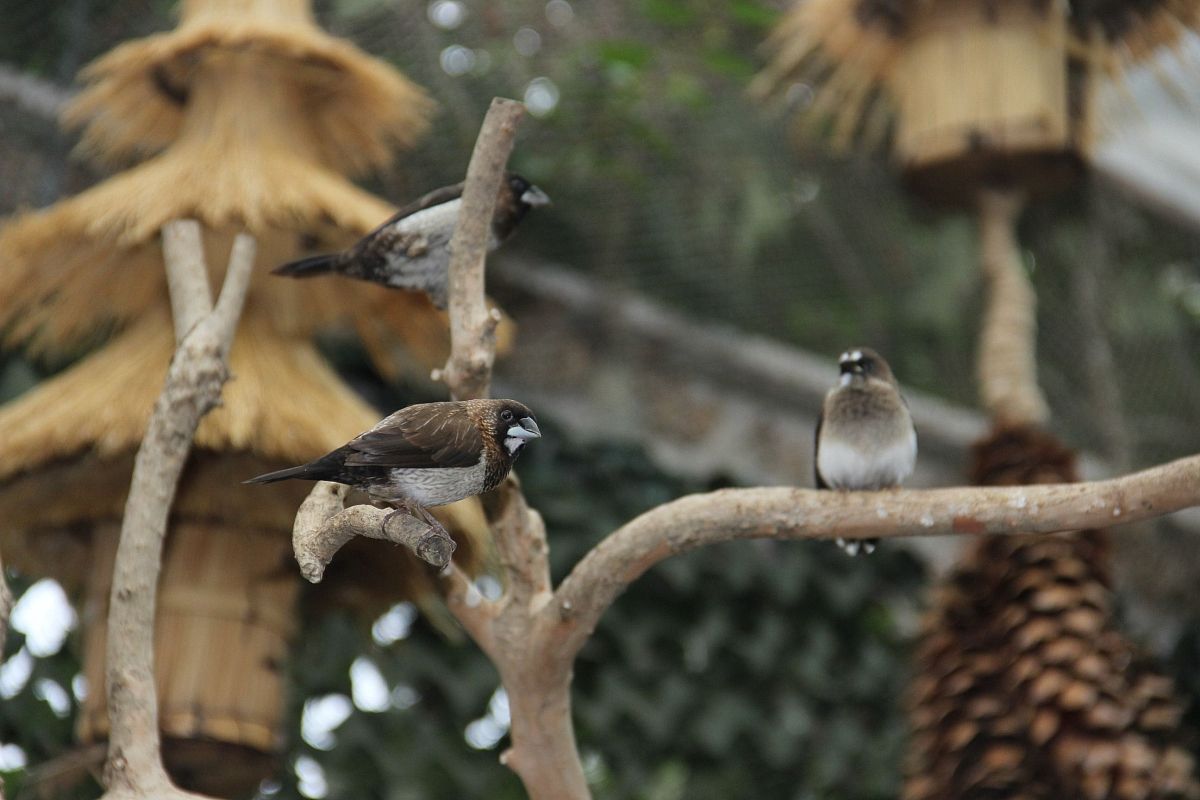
(411, 250)
(428, 454)
(865, 436)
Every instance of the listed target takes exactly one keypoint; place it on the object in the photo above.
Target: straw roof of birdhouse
(848, 51)
(284, 403)
(95, 260)
(357, 109)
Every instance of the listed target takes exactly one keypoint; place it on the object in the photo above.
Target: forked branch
(204, 334)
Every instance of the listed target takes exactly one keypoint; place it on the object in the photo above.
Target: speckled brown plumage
(1024, 688)
(428, 454)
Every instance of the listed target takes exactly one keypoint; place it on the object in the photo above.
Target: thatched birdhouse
(974, 93)
(250, 117)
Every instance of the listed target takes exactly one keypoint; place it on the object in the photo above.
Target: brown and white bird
(411, 250)
(428, 454)
(865, 436)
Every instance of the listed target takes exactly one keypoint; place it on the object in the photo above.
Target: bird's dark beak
(533, 196)
(528, 429)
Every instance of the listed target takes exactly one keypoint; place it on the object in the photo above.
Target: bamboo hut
(248, 117)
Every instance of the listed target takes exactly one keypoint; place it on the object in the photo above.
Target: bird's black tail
(303, 472)
(307, 267)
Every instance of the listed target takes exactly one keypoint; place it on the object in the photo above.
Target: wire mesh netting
(668, 180)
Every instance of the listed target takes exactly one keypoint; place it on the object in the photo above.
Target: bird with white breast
(865, 438)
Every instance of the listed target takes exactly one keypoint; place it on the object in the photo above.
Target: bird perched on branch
(428, 454)
(865, 437)
(411, 250)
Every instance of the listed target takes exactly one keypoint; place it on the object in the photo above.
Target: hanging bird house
(974, 93)
(981, 94)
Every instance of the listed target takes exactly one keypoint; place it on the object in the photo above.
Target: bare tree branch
(323, 525)
(192, 389)
(187, 284)
(468, 372)
(6, 605)
(784, 513)
(1008, 340)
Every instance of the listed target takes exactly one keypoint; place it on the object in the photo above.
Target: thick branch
(470, 609)
(192, 388)
(323, 525)
(1008, 340)
(520, 537)
(704, 519)
(468, 372)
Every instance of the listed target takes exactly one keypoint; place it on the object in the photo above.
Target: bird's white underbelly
(844, 466)
(436, 487)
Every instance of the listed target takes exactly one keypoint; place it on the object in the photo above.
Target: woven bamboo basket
(226, 615)
(982, 96)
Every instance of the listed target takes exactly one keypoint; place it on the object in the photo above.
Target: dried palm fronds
(95, 260)
(352, 109)
(284, 404)
(1024, 687)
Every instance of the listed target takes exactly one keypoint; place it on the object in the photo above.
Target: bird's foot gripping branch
(324, 524)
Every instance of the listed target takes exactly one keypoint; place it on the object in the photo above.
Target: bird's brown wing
(427, 436)
(434, 198)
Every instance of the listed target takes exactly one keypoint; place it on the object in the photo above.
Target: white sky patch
(447, 14)
(321, 716)
(457, 60)
(559, 13)
(311, 777)
(15, 672)
(79, 687)
(487, 731)
(367, 686)
(11, 757)
(527, 41)
(541, 96)
(55, 696)
(44, 616)
(394, 624)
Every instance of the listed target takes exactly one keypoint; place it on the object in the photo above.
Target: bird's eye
(506, 415)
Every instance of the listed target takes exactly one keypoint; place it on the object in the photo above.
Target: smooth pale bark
(198, 371)
(323, 525)
(468, 372)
